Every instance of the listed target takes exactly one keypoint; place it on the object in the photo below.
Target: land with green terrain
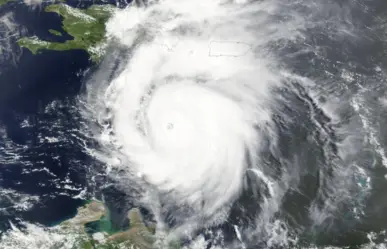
(86, 26)
(55, 32)
(2, 2)
(94, 214)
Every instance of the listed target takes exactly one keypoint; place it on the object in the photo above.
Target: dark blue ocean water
(40, 126)
(42, 167)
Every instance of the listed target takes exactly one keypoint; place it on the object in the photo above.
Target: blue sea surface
(42, 147)
(36, 95)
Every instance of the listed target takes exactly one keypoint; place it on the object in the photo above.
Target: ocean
(321, 175)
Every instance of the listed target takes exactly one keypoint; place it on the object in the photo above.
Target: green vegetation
(86, 26)
(55, 32)
(138, 235)
(2, 2)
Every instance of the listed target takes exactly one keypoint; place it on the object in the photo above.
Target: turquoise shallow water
(38, 105)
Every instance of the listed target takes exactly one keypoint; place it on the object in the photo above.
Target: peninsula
(86, 26)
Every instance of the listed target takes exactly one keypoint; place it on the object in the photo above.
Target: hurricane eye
(170, 126)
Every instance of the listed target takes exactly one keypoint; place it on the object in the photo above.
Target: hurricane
(189, 108)
(196, 106)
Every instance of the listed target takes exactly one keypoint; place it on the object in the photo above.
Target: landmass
(55, 32)
(2, 2)
(92, 211)
(138, 235)
(86, 26)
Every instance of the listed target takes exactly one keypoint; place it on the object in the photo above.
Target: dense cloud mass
(221, 112)
(190, 106)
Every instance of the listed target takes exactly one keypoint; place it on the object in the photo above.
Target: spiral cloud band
(190, 104)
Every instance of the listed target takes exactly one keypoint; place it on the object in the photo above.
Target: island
(55, 32)
(86, 26)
